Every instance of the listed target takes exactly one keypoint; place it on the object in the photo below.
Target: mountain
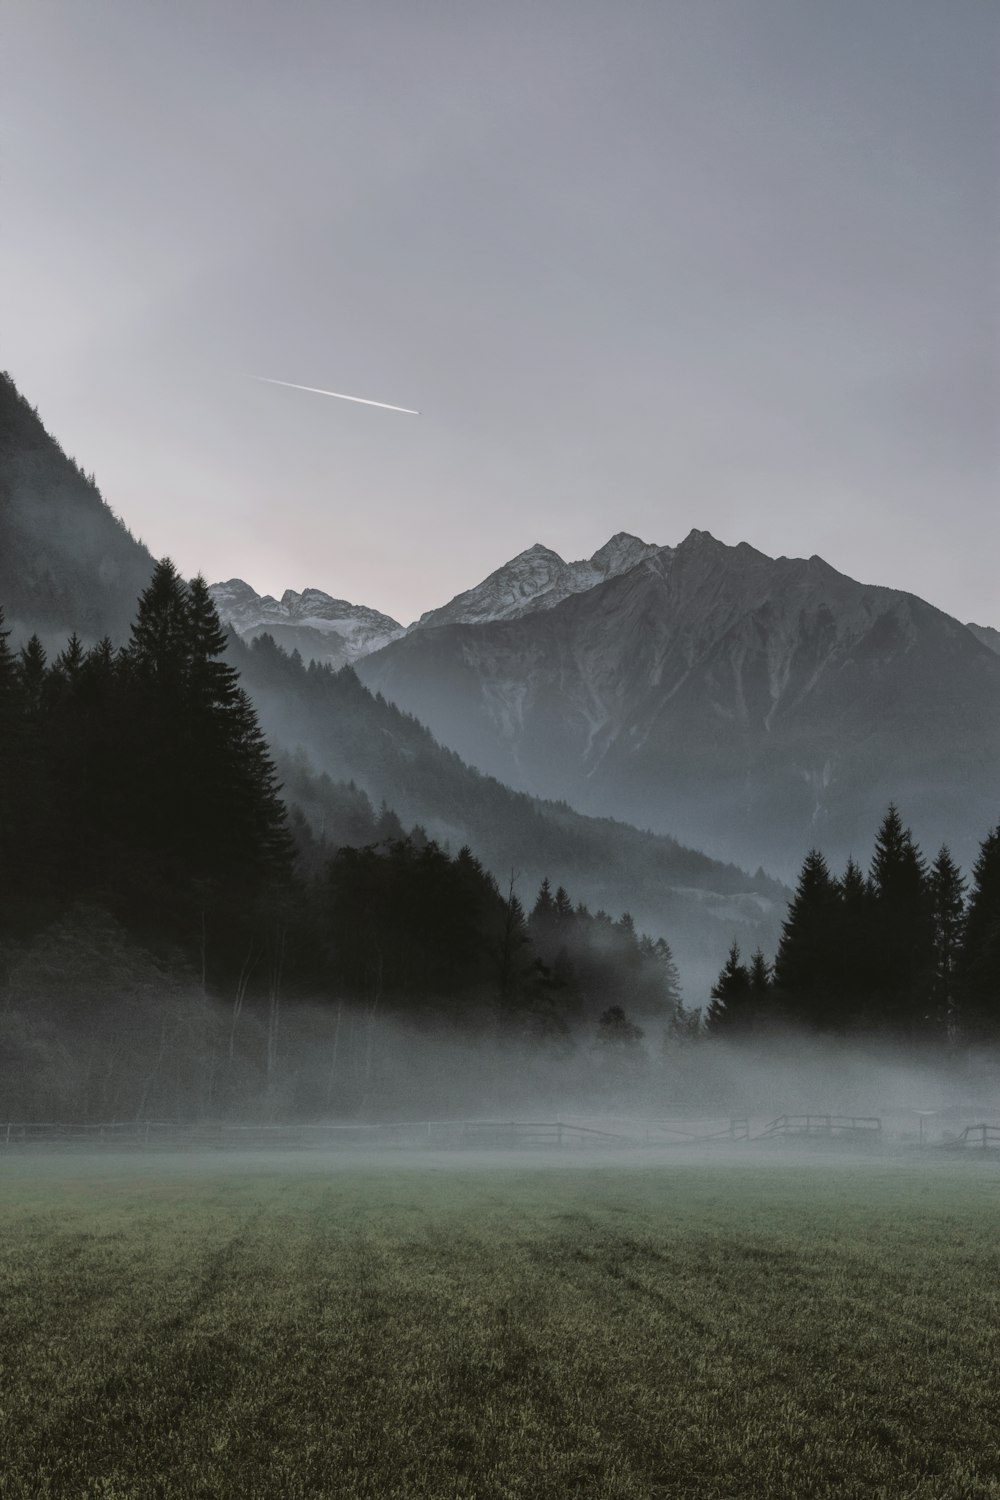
(318, 627)
(338, 633)
(538, 579)
(67, 562)
(751, 705)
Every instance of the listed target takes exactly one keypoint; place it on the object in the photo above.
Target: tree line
(908, 951)
(149, 864)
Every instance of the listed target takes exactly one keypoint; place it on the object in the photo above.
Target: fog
(184, 1068)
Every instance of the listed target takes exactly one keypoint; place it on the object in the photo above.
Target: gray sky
(730, 264)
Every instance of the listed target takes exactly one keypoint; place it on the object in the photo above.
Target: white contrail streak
(339, 395)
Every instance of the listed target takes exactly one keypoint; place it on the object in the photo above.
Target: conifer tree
(69, 663)
(805, 967)
(543, 911)
(32, 673)
(947, 900)
(903, 957)
(10, 747)
(731, 1010)
(979, 963)
(563, 906)
(669, 977)
(10, 685)
(213, 684)
(160, 641)
(854, 950)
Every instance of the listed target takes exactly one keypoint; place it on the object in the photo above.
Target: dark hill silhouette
(67, 561)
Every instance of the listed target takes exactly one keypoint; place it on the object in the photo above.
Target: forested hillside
(67, 562)
(163, 922)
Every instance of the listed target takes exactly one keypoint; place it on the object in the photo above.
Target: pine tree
(11, 789)
(731, 1011)
(69, 663)
(760, 975)
(947, 899)
(855, 955)
(670, 979)
(160, 640)
(543, 911)
(212, 684)
(979, 962)
(10, 686)
(32, 673)
(903, 958)
(805, 967)
(563, 906)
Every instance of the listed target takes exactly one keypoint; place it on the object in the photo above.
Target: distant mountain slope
(66, 560)
(318, 627)
(749, 704)
(697, 902)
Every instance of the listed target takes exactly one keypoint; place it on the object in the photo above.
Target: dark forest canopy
(909, 951)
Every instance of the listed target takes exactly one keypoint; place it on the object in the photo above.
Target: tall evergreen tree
(10, 690)
(903, 962)
(543, 911)
(11, 791)
(855, 948)
(979, 964)
(805, 967)
(731, 1011)
(32, 674)
(213, 684)
(947, 900)
(159, 644)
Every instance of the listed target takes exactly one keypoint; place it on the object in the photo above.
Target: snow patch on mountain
(321, 628)
(536, 579)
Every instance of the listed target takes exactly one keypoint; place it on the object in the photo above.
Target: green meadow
(308, 1325)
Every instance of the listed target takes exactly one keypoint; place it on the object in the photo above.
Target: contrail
(339, 395)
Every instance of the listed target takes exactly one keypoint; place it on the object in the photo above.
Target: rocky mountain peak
(319, 627)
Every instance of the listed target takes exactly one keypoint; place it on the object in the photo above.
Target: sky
(641, 265)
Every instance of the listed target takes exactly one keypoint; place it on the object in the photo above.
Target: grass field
(288, 1326)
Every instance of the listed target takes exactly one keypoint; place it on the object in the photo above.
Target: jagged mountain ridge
(314, 624)
(769, 703)
(337, 633)
(535, 579)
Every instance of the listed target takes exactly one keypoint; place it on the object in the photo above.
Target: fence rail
(861, 1126)
(983, 1135)
(436, 1134)
(444, 1134)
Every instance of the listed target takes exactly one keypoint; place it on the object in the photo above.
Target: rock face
(318, 627)
(538, 579)
(751, 705)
